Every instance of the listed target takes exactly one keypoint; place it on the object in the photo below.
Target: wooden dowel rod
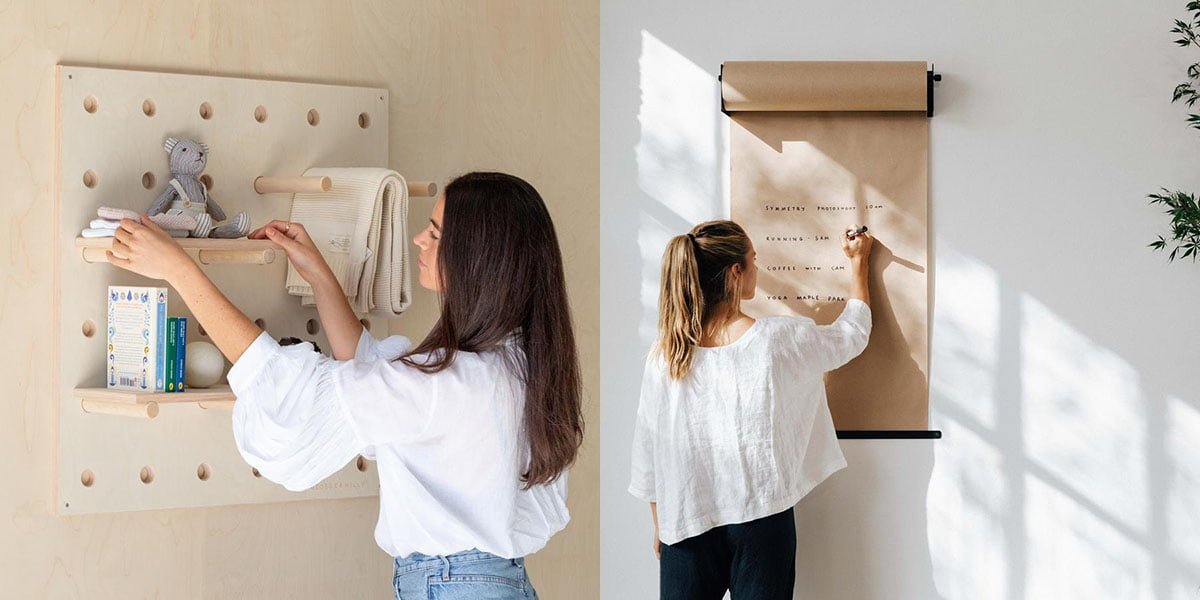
(95, 255)
(292, 185)
(147, 410)
(263, 256)
(226, 405)
(422, 189)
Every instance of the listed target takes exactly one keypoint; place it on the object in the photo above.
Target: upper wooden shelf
(209, 250)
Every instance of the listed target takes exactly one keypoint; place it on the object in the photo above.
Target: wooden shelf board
(212, 394)
(189, 243)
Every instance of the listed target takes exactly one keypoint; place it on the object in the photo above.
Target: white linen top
(449, 446)
(747, 432)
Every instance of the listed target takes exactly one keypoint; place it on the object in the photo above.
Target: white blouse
(449, 446)
(747, 432)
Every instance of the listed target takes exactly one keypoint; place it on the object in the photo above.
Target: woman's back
(746, 432)
(468, 416)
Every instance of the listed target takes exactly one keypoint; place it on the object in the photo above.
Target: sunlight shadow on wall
(678, 158)
(969, 495)
(1085, 487)
(1085, 416)
(1183, 486)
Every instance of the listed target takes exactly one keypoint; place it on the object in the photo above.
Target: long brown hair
(698, 292)
(501, 272)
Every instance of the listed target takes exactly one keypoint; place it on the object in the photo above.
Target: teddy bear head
(187, 157)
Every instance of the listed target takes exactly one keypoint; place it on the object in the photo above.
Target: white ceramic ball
(203, 365)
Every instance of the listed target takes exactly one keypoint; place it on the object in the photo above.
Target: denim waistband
(417, 561)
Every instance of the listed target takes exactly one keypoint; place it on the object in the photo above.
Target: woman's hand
(341, 325)
(300, 249)
(858, 248)
(147, 250)
(657, 546)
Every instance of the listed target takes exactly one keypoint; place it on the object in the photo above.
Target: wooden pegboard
(111, 124)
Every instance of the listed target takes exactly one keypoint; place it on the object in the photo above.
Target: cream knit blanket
(361, 228)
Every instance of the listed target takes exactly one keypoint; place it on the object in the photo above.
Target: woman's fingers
(291, 230)
(151, 225)
(297, 232)
(117, 260)
(130, 225)
(261, 232)
(121, 248)
(279, 237)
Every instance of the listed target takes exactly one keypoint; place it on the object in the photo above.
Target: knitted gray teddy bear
(186, 199)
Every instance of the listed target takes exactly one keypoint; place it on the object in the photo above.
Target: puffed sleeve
(301, 416)
(391, 348)
(645, 431)
(839, 342)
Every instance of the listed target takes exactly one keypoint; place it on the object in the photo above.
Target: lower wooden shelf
(145, 405)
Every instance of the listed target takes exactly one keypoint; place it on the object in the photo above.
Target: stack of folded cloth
(360, 226)
(110, 219)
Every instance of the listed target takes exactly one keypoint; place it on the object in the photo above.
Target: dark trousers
(754, 561)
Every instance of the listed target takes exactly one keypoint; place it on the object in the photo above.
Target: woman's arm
(654, 515)
(229, 328)
(146, 249)
(342, 327)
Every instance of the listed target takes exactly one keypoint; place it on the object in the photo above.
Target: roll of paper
(823, 86)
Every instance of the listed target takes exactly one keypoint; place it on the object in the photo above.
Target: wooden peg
(262, 256)
(422, 189)
(95, 255)
(292, 185)
(144, 410)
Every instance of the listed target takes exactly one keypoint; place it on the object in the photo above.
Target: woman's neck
(726, 330)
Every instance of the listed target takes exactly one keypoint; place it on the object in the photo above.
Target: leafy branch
(1185, 224)
(1183, 207)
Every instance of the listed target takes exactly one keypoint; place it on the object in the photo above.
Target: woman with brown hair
(473, 428)
(733, 426)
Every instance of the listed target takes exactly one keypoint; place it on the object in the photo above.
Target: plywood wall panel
(455, 71)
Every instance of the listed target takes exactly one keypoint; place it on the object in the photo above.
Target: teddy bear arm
(163, 201)
(214, 209)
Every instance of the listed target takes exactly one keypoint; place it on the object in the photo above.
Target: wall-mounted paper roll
(816, 147)
(812, 86)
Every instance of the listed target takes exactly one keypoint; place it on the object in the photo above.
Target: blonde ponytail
(697, 288)
(680, 305)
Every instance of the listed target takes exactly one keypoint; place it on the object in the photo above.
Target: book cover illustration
(136, 338)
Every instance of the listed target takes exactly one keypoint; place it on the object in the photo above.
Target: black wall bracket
(930, 77)
(889, 434)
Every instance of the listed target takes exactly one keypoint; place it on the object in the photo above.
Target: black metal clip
(930, 77)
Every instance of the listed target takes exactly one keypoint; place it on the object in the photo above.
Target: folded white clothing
(102, 232)
(361, 228)
(170, 220)
(98, 232)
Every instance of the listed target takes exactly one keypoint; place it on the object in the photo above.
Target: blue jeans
(465, 575)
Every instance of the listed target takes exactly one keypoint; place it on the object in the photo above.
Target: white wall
(1064, 352)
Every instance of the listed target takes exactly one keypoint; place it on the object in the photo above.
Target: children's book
(172, 339)
(136, 333)
(180, 354)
